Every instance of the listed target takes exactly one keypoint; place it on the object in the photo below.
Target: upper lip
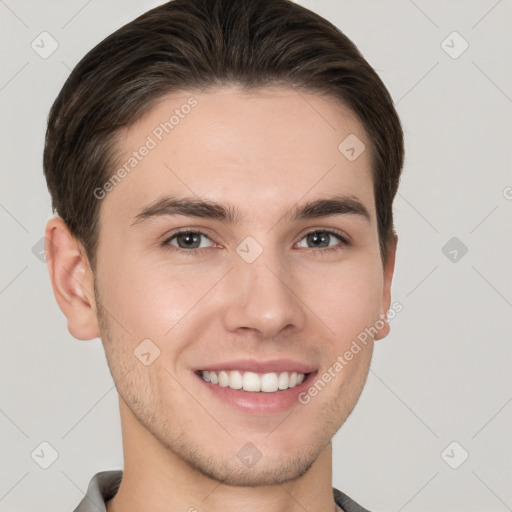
(253, 365)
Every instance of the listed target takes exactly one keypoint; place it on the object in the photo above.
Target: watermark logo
(44, 45)
(40, 249)
(351, 147)
(454, 455)
(454, 45)
(454, 249)
(249, 249)
(147, 352)
(249, 455)
(44, 455)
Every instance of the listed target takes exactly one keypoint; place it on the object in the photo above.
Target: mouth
(253, 382)
(256, 388)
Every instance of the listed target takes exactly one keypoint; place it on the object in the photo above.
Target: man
(223, 174)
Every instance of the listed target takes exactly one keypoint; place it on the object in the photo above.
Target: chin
(261, 474)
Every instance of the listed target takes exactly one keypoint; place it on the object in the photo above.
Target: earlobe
(72, 280)
(388, 270)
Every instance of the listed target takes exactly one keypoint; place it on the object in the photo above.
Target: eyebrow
(193, 207)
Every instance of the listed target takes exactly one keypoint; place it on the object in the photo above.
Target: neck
(156, 479)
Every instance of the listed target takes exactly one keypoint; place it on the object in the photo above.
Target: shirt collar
(102, 488)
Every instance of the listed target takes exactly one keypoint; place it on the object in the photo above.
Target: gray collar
(105, 484)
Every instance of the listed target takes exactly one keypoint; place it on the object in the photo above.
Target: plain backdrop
(432, 431)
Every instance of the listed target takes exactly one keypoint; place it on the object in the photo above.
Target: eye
(185, 240)
(194, 242)
(323, 239)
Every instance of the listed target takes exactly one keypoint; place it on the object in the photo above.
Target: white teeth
(254, 382)
(284, 380)
(269, 382)
(223, 379)
(251, 382)
(235, 380)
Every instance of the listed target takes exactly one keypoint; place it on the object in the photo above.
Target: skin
(264, 153)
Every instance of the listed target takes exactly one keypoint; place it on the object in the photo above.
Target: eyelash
(190, 252)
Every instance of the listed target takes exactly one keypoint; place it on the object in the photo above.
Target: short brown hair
(197, 44)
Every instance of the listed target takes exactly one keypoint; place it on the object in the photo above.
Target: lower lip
(259, 403)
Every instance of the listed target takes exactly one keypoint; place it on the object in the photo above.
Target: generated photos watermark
(156, 136)
(344, 359)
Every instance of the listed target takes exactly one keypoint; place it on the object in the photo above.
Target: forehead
(262, 151)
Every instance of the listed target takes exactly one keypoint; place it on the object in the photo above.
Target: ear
(388, 270)
(72, 279)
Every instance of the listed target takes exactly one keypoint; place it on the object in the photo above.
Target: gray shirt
(105, 484)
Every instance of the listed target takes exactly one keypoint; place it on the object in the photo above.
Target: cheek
(350, 299)
(151, 299)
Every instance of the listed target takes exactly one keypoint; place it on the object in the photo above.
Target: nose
(262, 297)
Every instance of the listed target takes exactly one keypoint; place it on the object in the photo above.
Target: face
(247, 285)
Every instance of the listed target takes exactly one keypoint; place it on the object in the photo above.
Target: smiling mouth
(254, 382)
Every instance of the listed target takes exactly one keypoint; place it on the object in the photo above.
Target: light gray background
(443, 374)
